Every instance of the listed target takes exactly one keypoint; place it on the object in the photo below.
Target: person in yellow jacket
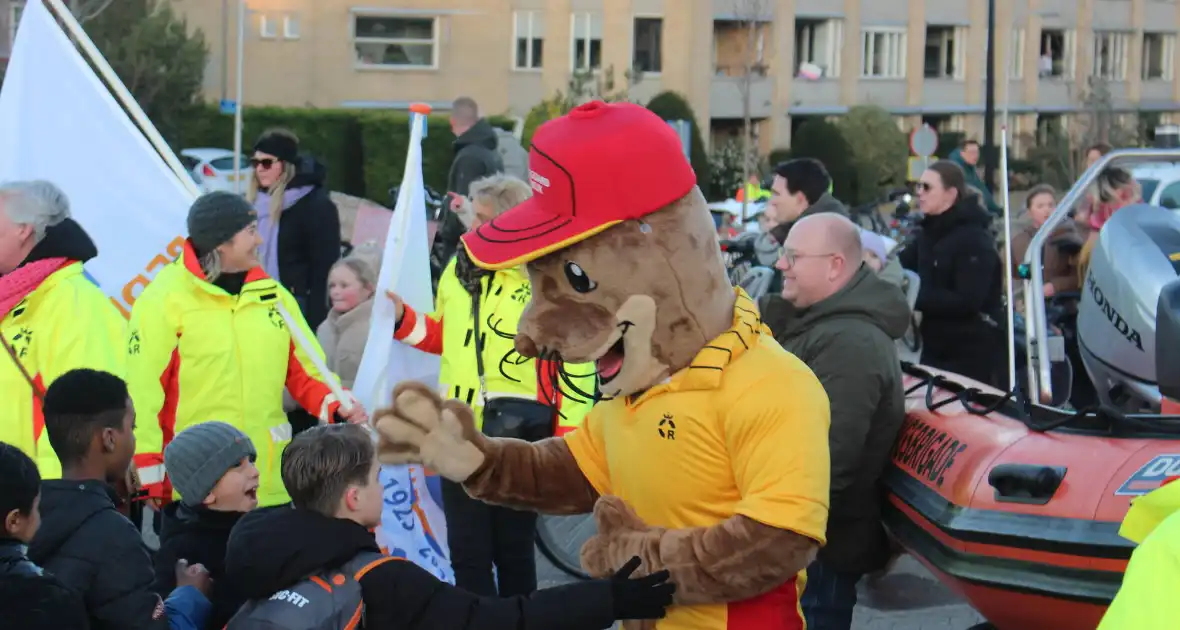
(753, 190)
(480, 535)
(53, 318)
(1147, 599)
(209, 340)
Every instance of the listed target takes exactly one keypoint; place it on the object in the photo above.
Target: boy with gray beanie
(211, 465)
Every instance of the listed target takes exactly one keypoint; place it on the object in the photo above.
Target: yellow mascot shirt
(742, 430)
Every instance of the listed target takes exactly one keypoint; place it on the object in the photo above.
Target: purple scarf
(269, 229)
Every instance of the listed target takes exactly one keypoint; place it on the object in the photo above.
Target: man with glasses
(841, 319)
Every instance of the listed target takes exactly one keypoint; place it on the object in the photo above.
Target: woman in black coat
(956, 259)
(299, 224)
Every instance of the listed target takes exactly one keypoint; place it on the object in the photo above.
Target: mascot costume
(707, 453)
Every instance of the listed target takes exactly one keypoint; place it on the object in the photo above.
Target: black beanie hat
(215, 217)
(279, 143)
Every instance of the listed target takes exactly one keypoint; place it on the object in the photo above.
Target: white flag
(59, 122)
(412, 523)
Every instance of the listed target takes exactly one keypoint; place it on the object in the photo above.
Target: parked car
(213, 169)
(1160, 183)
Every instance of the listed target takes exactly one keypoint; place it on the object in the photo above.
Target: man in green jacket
(841, 319)
(967, 157)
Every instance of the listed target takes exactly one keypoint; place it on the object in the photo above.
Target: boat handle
(1025, 483)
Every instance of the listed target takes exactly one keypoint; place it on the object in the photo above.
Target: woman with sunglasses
(298, 223)
(956, 259)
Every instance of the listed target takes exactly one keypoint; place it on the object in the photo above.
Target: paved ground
(908, 598)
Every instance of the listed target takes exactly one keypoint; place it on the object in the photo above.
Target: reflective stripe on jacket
(506, 373)
(196, 353)
(66, 323)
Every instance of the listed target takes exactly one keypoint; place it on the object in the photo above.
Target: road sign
(918, 165)
(228, 107)
(924, 141)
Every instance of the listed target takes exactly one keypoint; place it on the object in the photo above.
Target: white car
(1160, 183)
(213, 169)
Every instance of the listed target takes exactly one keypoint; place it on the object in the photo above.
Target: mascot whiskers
(707, 453)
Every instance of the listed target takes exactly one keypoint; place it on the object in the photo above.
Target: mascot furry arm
(708, 455)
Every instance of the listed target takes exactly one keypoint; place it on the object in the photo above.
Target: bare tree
(86, 10)
(752, 15)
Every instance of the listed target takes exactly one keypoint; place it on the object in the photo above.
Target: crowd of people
(209, 407)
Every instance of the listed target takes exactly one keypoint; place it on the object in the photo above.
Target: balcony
(727, 90)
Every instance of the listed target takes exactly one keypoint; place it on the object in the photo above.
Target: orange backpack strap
(373, 565)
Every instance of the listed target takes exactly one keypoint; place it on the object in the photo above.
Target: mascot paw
(621, 535)
(420, 428)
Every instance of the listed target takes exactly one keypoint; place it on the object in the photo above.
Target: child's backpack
(512, 154)
(330, 600)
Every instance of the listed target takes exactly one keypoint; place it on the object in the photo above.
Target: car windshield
(227, 163)
(1148, 187)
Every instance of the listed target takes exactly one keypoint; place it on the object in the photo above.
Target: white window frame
(588, 17)
(434, 40)
(648, 16)
(533, 15)
(291, 26)
(1016, 48)
(1069, 56)
(267, 28)
(1168, 53)
(831, 56)
(1120, 45)
(895, 48)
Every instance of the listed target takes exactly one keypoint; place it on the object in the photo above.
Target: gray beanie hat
(215, 217)
(199, 456)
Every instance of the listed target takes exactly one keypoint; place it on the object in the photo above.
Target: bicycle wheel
(560, 540)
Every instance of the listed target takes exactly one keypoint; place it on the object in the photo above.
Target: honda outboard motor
(1137, 255)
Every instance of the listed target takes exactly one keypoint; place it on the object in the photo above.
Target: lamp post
(238, 98)
(989, 109)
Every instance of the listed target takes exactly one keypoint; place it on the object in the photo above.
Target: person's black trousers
(482, 536)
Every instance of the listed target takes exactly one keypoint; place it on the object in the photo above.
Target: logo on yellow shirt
(667, 427)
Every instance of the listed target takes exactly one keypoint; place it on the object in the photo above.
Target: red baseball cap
(593, 168)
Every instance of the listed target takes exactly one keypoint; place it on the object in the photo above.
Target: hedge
(363, 150)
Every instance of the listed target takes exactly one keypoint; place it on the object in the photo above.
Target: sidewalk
(909, 598)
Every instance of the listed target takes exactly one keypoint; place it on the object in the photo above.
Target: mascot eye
(578, 278)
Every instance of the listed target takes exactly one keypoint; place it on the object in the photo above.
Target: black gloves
(640, 598)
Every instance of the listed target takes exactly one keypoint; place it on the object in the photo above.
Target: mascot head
(622, 252)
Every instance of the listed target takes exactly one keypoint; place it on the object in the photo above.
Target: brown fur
(662, 286)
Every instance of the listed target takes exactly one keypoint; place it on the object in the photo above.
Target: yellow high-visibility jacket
(1147, 599)
(449, 331)
(64, 324)
(195, 353)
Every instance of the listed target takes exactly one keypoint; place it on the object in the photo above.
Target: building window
(1158, 52)
(649, 37)
(290, 26)
(946, 52)
(14, 12)
(267, 28)
(586, 38)
(1110, 55)
(1016, 55)
(884, 53)
(1057, 53)
(818, 43)
(530, 40)
(396, 42)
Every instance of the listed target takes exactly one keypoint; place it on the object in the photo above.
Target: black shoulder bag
(508, 417)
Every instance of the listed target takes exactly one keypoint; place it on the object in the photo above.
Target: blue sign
(228, 107)
(1151, 475)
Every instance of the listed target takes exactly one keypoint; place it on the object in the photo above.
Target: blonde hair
(500, 192)
(280, 186)
(1106, 188)
(211, 264)
(361, 268)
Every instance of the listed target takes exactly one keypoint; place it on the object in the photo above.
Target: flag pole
(92, 54)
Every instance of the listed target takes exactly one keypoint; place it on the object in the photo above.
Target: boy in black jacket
(211, 465)
(30, 599)
(84, 540)
(331, 474)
